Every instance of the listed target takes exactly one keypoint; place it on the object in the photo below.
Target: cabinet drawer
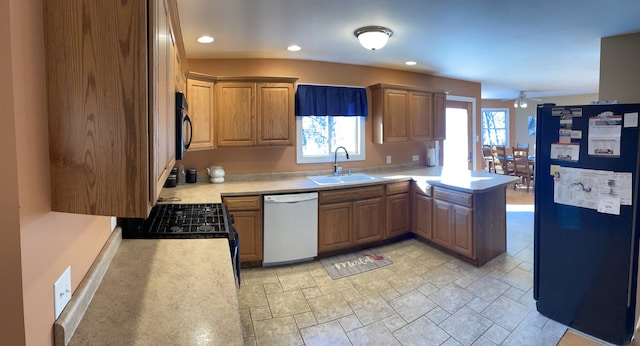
(243, 203)
(456, 197)
(344, 195)
(400, 187)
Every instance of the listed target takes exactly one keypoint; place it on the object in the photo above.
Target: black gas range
(184, 221)
(187, 221)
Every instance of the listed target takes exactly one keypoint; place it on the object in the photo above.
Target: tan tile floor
(425, 297)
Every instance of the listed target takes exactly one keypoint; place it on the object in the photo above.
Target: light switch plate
(415, 158)
(388, 159)
(62, 292)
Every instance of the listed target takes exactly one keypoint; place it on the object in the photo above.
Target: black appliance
(184, 128)
(586, 217)
(187, 221)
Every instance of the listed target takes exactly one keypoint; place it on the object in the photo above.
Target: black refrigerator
(586, 217)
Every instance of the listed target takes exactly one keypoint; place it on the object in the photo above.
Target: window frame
(301, 159)
(506, 124)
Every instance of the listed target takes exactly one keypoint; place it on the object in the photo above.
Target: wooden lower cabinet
(334, 226)
(350, 217)
(397, 215)
(422, 216)
(442, 232)
(472, 225)
(453, 224)
(368, 220)
(249, 227)
(462, 235)
(247, 215)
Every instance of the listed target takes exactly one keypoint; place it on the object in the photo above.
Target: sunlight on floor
(520, 207)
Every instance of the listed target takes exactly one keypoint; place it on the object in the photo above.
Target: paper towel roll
(431, 157)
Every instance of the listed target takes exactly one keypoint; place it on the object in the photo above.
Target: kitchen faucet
(335, 159)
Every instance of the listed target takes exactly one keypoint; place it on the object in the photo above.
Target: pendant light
(373, 37)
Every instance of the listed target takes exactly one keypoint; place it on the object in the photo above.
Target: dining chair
(488, 159)
(523, 166)
(501, 164)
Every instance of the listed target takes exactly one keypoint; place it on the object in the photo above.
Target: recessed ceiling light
(294, 48)
(205, 39)
(410, 63)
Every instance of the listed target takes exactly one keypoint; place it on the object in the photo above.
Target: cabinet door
(397, 215)
(368, 220)
(422, 216)
(442, 232)
(163, 118)
(275, 117)
(200, 100)
(439, 115)
(396, 115)
(249, 227)
(462, 240)
(420, 115)
(334, 225)
(236, 114)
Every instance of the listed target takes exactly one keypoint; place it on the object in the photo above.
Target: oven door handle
(235, 252)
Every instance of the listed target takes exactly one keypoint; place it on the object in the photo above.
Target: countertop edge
(67, 323)
(474, 190)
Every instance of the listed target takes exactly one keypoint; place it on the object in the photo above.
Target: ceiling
(545, 47)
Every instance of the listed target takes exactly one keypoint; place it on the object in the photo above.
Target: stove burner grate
(188, 221)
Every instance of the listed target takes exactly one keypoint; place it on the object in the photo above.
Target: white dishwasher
(290, 228)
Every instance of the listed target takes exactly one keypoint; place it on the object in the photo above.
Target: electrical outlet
(388, 159)
(62, 292)
(415, 158)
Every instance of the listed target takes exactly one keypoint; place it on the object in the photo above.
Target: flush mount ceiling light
(373, 37)
(294, 48)
(205, 39)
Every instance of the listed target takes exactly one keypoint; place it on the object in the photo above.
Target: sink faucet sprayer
(335, 159)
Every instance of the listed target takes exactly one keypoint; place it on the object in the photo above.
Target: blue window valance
(322, 100)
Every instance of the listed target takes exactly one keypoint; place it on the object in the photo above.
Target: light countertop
(165, 292)
(158, 292)
(206, 192)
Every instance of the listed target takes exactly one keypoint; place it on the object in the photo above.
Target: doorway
(458, 149)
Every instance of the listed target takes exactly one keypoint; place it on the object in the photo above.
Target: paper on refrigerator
(604, 191)
(604, 135)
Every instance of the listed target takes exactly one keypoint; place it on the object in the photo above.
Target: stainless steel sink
(341, 179)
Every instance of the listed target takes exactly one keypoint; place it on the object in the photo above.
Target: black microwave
(184, 128)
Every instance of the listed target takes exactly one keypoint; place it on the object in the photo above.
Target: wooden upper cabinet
(256, 111)
(275, 114)
(439, 115)
(110, 117)
(421, 115)
(235, 110)
(396, 115)
(403, 114)
(200, 98)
